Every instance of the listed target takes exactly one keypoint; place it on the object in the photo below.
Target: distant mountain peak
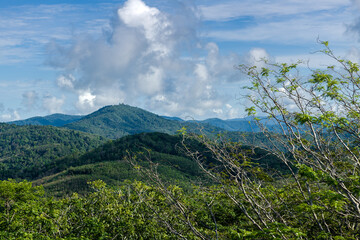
(116, 121)
(56, 119)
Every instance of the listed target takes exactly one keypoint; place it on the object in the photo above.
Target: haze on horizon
(172, 58)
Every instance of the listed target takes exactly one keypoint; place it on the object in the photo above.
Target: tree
(317, 137)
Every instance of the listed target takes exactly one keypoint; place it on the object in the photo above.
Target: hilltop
(27, 148)
(57, 120)
(120, 120)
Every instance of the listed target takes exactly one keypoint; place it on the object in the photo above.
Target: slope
(120, 120)
(247, 124)
(57, 120)
(23, 149)
(107, 162)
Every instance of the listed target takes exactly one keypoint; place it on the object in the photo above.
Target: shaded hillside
(115, 173)
(116, 150)
(173, 118)
(247, 124)
(107, 163)
(26, 148)
(241, 124)
(57, 120)
(120, 120)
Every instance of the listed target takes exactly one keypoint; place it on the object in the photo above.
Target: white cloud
(10, 115)
(232, 112)
(86, 101)
(257, 57)
(155, 25)
(139, 61)
(66, 81)
(201, 72)
(221, 68)
(151, 82)
(218, 111)
(53, 104)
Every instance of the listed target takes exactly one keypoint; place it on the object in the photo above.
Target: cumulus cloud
(9, 115)
(66, 82)
(257, 57)
(156, 27)
(86, 100)
(53, 104)
(147, 58)
(201, 72)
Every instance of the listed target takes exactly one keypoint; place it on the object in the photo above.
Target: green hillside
(101, 162)
(23, 149)
(247, 124)
(116, 173)
(108, 163)
(57, 120)
(120, 120)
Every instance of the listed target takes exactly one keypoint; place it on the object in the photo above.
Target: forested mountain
(107, 163)
(120, 120)
(173, 118)
(26, 148)
(57, 120)
(247, 124)
(241, 124)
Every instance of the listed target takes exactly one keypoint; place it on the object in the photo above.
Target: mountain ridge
(56, 120)
(115, 121)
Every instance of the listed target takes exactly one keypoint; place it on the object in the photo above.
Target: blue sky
(173, 58)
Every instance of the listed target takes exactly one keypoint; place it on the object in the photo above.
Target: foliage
(319, 121)
(108, 162)
(56, 120)
(24, 149)
(134, 211)
(120, 120)
(116, 150)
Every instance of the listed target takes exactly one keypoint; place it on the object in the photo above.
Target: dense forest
(120, 120)
(26, 148)
(57, 120)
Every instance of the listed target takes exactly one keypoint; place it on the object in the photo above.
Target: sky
(174, 58)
